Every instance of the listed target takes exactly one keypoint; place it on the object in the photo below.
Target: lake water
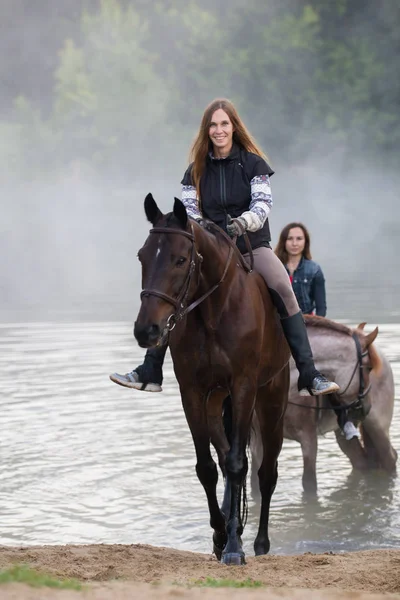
(85, 461)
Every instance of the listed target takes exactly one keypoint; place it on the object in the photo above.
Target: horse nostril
(146, 333)
(154, 330)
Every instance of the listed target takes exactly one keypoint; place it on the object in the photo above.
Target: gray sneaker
(131, 380)
(319, 387)
(350, 431)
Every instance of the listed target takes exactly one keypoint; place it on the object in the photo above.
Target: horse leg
(269, 409)
(243, 396)
(309, 449)
(196, 415)
(219, 418)
(353, 450)
(379, 451)
(221, 438)
(220, 435)
(256, 449)
(227, 425)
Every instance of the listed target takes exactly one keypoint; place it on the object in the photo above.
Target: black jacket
(225, 190)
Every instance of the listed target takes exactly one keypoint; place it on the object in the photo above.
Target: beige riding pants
(275, 276)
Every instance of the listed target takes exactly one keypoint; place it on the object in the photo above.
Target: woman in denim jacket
(308, 281)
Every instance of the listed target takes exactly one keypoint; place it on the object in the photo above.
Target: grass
(24, 574)
(216, 583)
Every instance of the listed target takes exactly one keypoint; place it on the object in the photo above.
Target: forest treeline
(106, 83)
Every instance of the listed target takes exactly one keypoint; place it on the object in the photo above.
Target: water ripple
(85, 461)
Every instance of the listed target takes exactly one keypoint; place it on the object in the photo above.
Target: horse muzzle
(147, 336)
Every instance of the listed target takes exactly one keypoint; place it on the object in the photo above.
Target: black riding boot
(151, 369)
(310, 378)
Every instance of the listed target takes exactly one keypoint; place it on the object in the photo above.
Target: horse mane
(221, 237)
(171, 220)
(210, 226)
(375, 360)
(322, 322)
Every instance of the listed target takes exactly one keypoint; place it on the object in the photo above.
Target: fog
(100, 102)
(71, 228)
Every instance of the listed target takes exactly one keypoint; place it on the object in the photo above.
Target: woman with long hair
(228, 182)
(294, 252)
(306, 276)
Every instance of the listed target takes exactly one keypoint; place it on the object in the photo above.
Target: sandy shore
(138, 571)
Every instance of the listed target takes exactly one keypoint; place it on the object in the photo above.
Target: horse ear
(153, 213)
(180, 213)
(371, 337)
(361, 325)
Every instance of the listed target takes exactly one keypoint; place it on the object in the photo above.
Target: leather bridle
(180, 303)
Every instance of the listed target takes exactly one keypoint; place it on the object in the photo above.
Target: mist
(103, 109)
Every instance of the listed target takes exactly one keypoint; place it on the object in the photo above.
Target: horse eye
(181, 261)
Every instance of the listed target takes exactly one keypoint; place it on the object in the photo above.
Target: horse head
(167, 259)
(368, 361)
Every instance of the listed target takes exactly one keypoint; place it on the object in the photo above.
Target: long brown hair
(280, 249)
(202, 143)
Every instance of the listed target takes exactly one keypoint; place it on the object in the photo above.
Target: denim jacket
(309, 287)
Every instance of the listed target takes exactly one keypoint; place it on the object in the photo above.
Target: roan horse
(364, 375)
(225, 338)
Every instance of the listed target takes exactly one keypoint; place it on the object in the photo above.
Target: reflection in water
(358, 514)
(83, 460)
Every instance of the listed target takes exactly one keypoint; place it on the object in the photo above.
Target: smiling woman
(228, 183)
(306, 276)
(221, 133)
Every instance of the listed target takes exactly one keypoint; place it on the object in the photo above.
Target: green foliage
(74, 98)
(231, 583)
(132, 79)
(107, 93)
(27, 142)
(276, 75)
(24, 574)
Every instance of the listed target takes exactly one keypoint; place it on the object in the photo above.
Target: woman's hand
(236, 227)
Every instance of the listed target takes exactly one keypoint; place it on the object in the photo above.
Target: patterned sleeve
(190, 201)
(260, 203)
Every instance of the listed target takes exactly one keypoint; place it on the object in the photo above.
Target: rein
(181, 310)
(362, 390)
(243, 232)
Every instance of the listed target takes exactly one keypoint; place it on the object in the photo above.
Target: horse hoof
(260, 550)
(233, 558)
(217, 551)
(219, 543)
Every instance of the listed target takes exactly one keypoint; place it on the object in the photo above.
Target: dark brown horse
(225, 339)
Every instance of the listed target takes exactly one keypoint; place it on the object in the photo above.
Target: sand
(140, 571)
